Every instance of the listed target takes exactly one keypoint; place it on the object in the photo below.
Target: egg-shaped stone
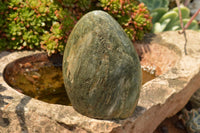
(101, 69)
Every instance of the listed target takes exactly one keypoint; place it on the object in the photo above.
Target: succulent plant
(39, 24)
(169, 20)
(131, 15)
(191, 120)
(172, 3)
(156, 14)
(77, 7)
(3, 14)
(154, 4)
(46, 24)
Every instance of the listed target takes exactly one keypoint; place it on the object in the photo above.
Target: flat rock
(159, 98)
(101, 68)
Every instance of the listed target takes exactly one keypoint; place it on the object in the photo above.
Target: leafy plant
(154, 4)
(169, 20)
(131, 15)
(3, 14)
(164, 19)
(34, 25)
(77, 7)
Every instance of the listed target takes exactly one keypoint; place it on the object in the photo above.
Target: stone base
(160, 98)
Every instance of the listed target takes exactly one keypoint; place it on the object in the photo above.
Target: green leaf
(159, 27)
(153, 4)
(157, 14)
(172, 16)
(193, 26)
(185, 12)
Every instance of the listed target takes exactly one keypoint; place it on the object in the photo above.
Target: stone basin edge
(175, 83)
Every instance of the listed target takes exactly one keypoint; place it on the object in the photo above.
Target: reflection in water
(147, 76)
(44, 83)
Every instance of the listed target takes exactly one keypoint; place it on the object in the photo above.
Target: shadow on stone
(2, 88)
(69, 127)
(2, 97)
(3, 121)
(20, 111)
(139, 110)
(143, 46)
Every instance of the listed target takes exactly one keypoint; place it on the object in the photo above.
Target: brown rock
(160, 98)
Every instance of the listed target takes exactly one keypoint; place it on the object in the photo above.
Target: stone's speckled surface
(101, 69)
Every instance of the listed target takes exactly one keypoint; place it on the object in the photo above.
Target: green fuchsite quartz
(101, 69)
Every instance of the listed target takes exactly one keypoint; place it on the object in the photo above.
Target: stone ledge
(160, 98)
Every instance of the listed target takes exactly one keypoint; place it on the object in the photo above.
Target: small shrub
(35, 24)
(131, 15)
(3, 14)
(78, 7)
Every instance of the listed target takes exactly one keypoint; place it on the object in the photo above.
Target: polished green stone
(101, 69)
